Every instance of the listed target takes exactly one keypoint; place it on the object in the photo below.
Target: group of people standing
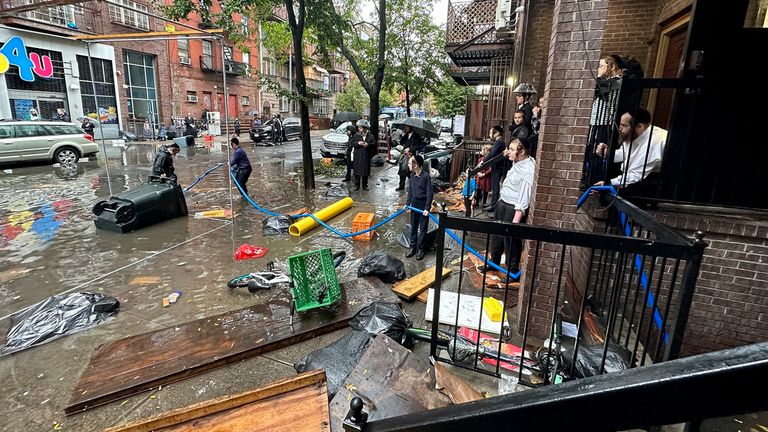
(61, 115)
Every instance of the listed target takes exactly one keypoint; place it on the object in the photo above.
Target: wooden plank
(199, 410)
(411, 287)
(423, 296)
(148, 34)
(144, 280)
(494, 279)
(391, 381)
(139, 363)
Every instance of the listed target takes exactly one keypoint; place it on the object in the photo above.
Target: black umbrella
(346, 116)
(422, 127)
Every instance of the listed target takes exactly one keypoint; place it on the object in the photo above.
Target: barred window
(128, 17)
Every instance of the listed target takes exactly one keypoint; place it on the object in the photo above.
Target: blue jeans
(419, 224)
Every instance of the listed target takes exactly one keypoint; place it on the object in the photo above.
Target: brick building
(557, 49)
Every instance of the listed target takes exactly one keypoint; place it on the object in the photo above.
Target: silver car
(44, 141)
(335, 143)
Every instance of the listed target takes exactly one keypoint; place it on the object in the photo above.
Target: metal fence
(626, 292)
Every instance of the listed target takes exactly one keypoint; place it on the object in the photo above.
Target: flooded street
(49, 245)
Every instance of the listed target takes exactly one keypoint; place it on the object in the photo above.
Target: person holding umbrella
(361, 156)
(415, 130)
(412, 140)
(87, 126)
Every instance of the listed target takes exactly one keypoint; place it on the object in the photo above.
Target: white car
(44, 141)
(335, 143)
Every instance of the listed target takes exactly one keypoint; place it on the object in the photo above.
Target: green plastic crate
(312, 272)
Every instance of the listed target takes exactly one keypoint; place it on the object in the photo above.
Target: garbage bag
(434, 174)
(247, 251)
(337, 359)
(386, 267)
(275, 225)
(57, 316)
(387, 318)
(378, 160)
(394, 154)
(339, 191)
(404, 238)
(617, 358)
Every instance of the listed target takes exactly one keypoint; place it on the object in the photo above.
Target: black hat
(498, 129)
(236, 141)
(419, 160)
(173, 145)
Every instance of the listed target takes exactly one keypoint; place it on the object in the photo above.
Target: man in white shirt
(515, 197)
(643, 142)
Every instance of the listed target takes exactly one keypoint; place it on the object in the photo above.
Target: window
(247, 58)
(63, 129)
(6, 132)
(244, 23)
(140, 79)
(284, 105)
(246, 101)
(102, 86)
(26, 131)
(54, 84)
(207, 58)
(183, 48)
(128, 17)
(58, 15)
(320, 106)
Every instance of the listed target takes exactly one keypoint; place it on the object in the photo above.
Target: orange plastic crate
(361, 222)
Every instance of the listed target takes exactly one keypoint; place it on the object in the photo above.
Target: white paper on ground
(469, 311)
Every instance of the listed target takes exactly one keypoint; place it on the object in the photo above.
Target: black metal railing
(626, 292)
(213, 64)
(668, 393)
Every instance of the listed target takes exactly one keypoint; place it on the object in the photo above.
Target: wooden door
(672, 62)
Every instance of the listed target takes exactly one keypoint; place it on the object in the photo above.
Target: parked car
(446, 125)
(44, 141)
(334, 144)
(291, 130)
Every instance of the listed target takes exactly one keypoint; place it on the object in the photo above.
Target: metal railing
(668, 393)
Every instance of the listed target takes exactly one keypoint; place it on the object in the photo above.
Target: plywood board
(298, 403)
(422, 297)
(494, 279)
(138, 363)
(469, 311)
(411, 287)
(144, 280)
(391, 381)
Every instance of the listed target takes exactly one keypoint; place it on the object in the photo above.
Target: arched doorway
(266, 109)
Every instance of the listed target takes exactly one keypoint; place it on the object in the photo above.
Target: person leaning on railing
(641, 150)
(513, 203)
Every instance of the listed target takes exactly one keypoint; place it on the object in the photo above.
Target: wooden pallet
(296, 404)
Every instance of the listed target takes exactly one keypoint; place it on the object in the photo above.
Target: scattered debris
(144, 280)
(247, 251)
(337, 359)
(208, 214)
(413, 286)
(454, 387)
(171, 298)
(386, 267)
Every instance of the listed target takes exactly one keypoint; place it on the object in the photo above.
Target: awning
(321, 70)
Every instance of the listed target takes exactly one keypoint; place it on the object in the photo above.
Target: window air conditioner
(191, 98)
(185, 61)
(503, 13)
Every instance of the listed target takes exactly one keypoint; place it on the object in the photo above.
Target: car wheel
(65, 155)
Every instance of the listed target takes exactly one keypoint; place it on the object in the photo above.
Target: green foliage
(352, 99)
(451, 98)
(388, 96)
(416, 56)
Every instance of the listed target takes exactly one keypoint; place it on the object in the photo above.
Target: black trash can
(190, 141)
(146, 205)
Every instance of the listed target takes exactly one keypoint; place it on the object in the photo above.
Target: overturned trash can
(143, 206)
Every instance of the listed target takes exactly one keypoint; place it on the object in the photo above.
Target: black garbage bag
(617, 358)
(386, 267)
(387, 318)
(338, 191)
(57, 316)
(275, 225)
(378, 160)
(404, 238)
(337, 359)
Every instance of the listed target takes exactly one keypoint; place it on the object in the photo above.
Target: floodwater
(49, 245)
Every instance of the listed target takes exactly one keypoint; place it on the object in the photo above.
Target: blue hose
(203, 176)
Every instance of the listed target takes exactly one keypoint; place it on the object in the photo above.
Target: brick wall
(730, 304)
(672, 8)
(535, 52)
(568, 92)
(632, 30)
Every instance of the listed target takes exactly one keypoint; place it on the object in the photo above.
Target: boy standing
(420, 197)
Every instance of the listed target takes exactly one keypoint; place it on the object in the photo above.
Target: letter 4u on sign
(14, 52)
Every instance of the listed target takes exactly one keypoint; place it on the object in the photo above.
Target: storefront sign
(14, 52)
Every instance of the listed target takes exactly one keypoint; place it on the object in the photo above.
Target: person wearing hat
(420, 197)
(240, 165)
(497, 168)
(162, 167)
(523, 94)
(364, 145)
(351, 133)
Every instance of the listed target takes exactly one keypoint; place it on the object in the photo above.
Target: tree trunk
(297, 33)
(407, 99)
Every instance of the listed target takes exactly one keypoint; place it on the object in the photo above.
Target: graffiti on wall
(14, 53)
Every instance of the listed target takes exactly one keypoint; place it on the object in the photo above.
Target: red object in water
(247, 251)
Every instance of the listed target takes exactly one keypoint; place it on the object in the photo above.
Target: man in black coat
(163, 165)
(412, 140)
(497, 168)
(364, 148)
(353, 137)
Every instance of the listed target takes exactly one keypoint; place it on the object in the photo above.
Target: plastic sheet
(404, 238)
(386, 267)
(275, 225)
(378, 160)
(337, 359)
(58, 316)
(387, 318)
(247, 251)
(338, 191)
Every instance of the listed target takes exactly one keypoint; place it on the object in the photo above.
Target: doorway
(668, 65)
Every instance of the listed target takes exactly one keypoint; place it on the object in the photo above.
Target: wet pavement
(49, 245)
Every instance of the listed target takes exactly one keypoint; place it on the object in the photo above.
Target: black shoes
(420, 255)
(365, 187)
(400, 188)
(411, 252)
(357, 188)
(347, 179)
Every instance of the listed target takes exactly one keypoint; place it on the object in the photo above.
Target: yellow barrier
(307, 224)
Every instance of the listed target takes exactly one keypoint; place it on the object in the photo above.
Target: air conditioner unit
(191, 98)
(185, 61)
(504, 13)
(246, 102)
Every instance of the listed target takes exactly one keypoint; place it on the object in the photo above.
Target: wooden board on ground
(296, 404)
(391, 381)
(423, 296)
(411, 287)
(144, 280)
(493, 279)
(139, 363)
(469, 311)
